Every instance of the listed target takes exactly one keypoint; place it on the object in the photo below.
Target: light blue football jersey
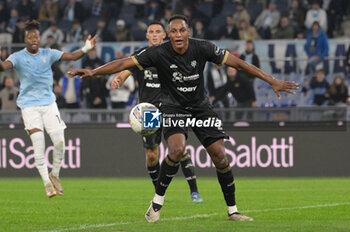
(35, 76)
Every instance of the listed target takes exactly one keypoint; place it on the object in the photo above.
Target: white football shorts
(41, 117)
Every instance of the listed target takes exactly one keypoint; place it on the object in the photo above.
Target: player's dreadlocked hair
(177, 16)
(31, 25)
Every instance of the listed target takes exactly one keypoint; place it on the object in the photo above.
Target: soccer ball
(141, 116)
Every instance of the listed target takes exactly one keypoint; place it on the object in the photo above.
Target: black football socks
(188, 171)
(153, 172)
(227, 183)
(168, 170)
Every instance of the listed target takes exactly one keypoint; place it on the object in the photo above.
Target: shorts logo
(151, 119)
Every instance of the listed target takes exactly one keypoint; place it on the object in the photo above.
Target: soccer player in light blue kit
(37, 100)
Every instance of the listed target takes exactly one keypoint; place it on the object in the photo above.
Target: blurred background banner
(104, 150)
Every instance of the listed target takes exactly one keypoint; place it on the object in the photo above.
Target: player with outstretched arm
(37, 100)
(180, 63)
(150, 91)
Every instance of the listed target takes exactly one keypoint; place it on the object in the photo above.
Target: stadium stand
(136, 14)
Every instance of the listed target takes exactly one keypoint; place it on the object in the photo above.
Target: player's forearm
(114, 67)
(123, 76)
(76, 55)
(5, 65)
(248, 68)
(252, 70)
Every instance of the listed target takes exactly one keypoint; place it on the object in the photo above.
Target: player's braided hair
(177, 16)
(32, 25)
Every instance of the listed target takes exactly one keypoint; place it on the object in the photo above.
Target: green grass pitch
(119, 204)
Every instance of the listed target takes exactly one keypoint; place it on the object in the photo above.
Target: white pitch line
(82, 227)
(298, 207)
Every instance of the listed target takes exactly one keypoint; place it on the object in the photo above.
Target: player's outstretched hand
(89, 44)
(284, 86)
(116, 83)
(92, 41)
(80, 72)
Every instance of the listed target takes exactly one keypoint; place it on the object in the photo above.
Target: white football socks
(38, 141)
(232, 209)
(57, 139)
(158, 199)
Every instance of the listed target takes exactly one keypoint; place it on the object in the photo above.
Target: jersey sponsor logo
(187, 89)
(173, 66)
(149, 75)
(178, 77)
(153, 85)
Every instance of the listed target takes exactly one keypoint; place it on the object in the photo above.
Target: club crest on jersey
(193, 63)
(148, 75)
(43, 59)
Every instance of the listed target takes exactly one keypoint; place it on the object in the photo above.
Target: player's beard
(33, 48)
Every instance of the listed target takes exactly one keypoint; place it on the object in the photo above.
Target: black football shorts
(153, 140)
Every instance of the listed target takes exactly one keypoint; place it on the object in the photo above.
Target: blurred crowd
(69, 21)
(118, 20)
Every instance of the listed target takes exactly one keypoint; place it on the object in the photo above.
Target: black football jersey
(149, 85)
(181, 75)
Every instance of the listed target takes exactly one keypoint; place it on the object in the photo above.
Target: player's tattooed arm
(277, 85)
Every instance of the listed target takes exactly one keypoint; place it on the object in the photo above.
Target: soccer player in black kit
(180, 63)
(149, 91)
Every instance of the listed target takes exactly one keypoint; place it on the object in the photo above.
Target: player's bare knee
(219, 159)
(152, 156)
(152, 160)
(176, 152)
